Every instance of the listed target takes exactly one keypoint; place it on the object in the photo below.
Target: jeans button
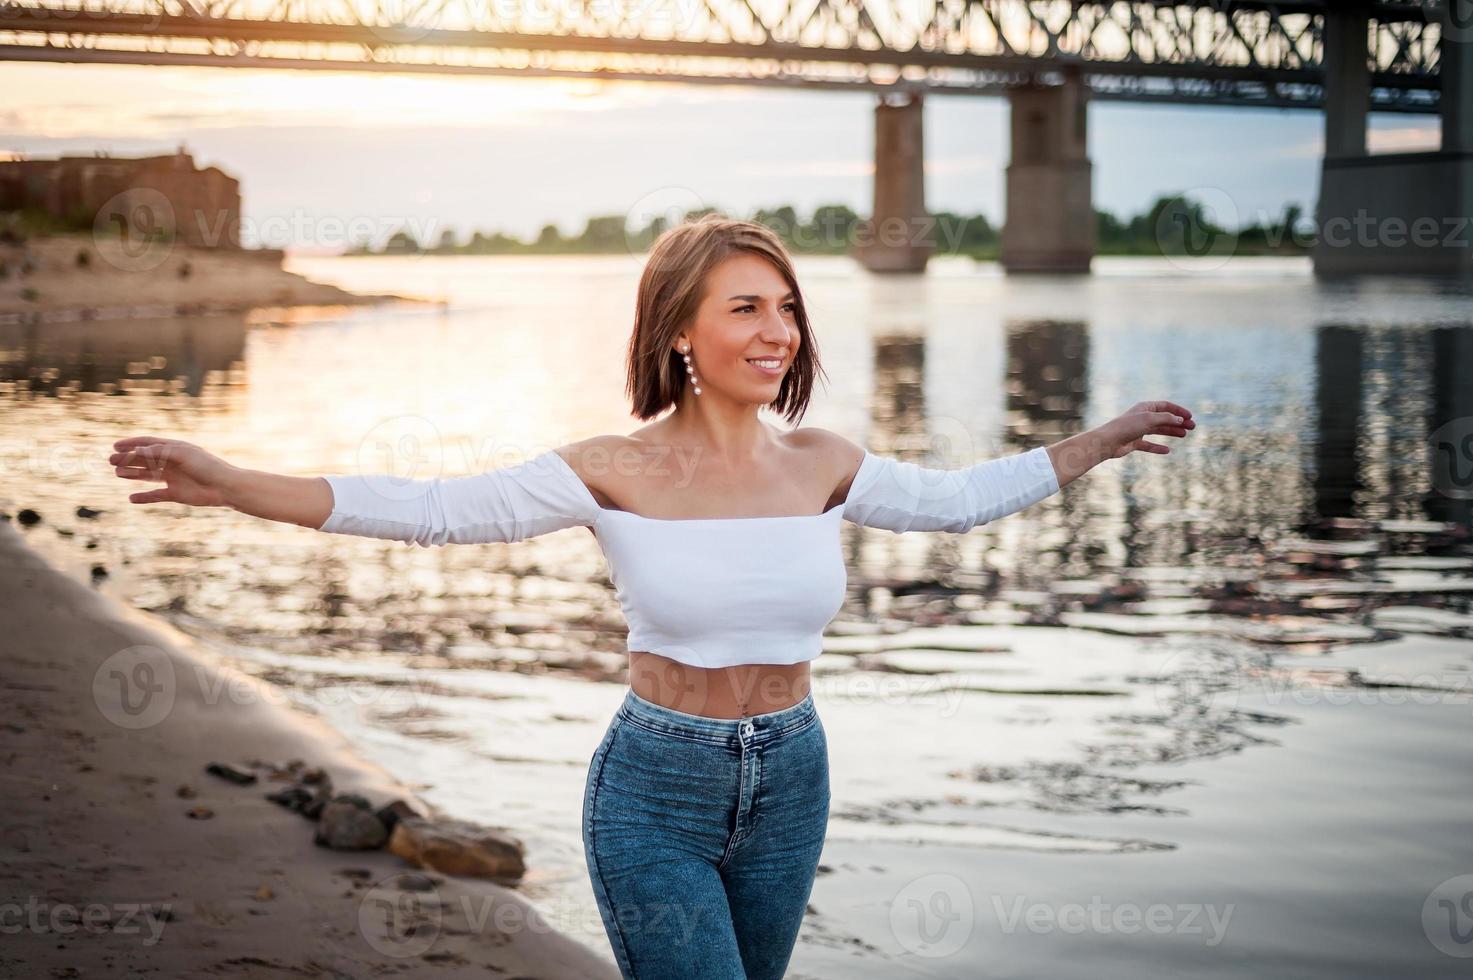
(747, 728)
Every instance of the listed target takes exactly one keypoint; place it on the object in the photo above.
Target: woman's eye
(749, 306)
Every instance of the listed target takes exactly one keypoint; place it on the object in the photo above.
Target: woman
(707, 801)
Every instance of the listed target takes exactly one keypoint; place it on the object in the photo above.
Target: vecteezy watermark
(1366, 230)
(136, 230)
(403, 915)
(1119, 918)
(698, 689)
(1220, 684)
(137, 687)
(323, 231)
(1447, 916)
(408, 21)
(13, 17)
(935, 915)
(1201, 228)
(63, 918)
(878, 687)
(404, 457)
(666, 207)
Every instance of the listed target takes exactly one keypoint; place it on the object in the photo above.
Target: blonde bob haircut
(670, 291)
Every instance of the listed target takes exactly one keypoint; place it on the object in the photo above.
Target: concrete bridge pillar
(899, 236)
(1347, 78)
(1050, 223)
(1393, 212)
(1455, 59)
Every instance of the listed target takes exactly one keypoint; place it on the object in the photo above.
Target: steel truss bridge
(1210, 52)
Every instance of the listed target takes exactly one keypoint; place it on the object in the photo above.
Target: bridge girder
(1214, 52)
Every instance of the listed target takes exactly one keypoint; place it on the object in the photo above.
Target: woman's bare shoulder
(834, 447)
(593, 458)
(841, 457)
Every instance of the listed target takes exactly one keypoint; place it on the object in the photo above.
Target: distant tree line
(1172, 225)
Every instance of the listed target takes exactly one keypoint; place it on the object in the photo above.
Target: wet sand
(105, 872)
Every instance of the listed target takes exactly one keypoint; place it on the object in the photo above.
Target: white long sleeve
(512, 503)
(902, 496)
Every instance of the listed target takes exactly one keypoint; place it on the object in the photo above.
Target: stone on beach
(349, 824)
(228, 772)
(457, 847)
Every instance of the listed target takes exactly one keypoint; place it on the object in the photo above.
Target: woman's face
(748, 313)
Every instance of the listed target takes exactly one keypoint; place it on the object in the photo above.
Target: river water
(1205, 712)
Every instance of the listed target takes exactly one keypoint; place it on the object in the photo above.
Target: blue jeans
(702, 837)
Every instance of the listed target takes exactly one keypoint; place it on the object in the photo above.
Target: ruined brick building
(148, 194)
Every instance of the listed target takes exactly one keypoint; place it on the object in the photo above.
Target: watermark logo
(401, 915)
(408, 21)
(1200, 682)
(1452, 459)
(932, 916)
(398, 455)
(1447, 916)
(135, 687)
(1197, 231)
(133, 231)
(1455, 20)
(656, 212)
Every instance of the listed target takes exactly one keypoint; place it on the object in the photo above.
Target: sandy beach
(109, 870)
(44, 279)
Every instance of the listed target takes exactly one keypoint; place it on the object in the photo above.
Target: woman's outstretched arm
(511, 503)
(198, 478)
(905, 496)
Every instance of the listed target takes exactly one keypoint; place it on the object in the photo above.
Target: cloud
(1387, 139)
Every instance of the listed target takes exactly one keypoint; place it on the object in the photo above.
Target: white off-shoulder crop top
(710, 592)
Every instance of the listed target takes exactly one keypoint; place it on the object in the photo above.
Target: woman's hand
(1077, 455)
(1127, 432)
(190, 474)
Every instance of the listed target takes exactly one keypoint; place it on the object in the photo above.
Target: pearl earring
(690, 370)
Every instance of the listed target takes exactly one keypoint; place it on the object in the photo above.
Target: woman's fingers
(144, 458)
(150, 457)
(133, 442)
(1172, 407)
(137, 473)
(135, 457)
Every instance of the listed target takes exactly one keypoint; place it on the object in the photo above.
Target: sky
(325, 157)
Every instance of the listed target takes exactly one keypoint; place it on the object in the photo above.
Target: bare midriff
(717, 692)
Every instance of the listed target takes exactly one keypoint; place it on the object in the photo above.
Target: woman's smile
(771, 368)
